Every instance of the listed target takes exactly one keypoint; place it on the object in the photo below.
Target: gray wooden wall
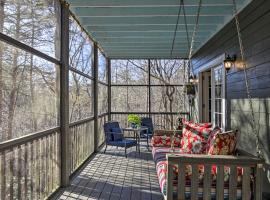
(255, 25)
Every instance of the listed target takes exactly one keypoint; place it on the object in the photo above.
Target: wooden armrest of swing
(214, 159)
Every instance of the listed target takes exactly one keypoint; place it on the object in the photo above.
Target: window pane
(35, 23)
(28, 93)
(102, 68)
(168, 72)
(80, 49)
(129, 99)
(102, 98)
(129, 72)
(80, 97)
(167, 99)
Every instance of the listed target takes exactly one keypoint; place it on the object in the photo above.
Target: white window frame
(223, 96)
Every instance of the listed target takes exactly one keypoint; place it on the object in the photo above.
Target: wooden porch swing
(251, 166)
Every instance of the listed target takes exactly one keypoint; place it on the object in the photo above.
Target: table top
(134, 129)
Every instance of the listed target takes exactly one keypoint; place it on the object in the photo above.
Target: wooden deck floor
(111, 176)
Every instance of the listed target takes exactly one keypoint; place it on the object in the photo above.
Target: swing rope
(242, 52)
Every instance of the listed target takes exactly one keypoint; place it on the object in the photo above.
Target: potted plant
(134, 120)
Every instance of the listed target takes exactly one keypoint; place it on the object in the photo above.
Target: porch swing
(178, 173)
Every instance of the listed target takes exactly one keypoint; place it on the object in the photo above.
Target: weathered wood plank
(259, 177)
(233, 183)
(213, 159)
(169, 188)
(3, 172)
(246, 183)
(220, 182)
(207, 182)
(181, 181)
(19, 173)
(194, 182)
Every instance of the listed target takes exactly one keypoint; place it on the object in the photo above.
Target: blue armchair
(147, 122)
(114, 137)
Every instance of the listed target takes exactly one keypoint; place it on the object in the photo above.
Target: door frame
(206, 67)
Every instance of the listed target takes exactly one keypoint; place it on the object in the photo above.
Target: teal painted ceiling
(145, 28)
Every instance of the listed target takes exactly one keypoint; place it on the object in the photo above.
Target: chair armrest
(113, 133)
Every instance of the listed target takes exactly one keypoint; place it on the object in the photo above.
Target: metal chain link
(191, 43)
(242, 52)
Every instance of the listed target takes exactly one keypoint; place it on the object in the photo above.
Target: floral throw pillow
(193, 124)
(191, 142)
(223, 143)
(203, 131)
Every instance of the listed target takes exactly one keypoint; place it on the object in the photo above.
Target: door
(206, 96)
(218, 96)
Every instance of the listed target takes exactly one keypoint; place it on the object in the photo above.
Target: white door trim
(213, 63)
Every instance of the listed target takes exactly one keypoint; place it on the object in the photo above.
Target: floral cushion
(216, 130)
(191, 142)
(165, 141)
(193, 124)
(202, 130)
(162, 168)
(223, 143)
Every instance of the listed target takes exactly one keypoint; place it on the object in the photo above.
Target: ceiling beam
(148, 3)
(145, 12)
(149, 20)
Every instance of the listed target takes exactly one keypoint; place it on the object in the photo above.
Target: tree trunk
(33, 114)
(3, 163)
(13, 93)
(2, 14)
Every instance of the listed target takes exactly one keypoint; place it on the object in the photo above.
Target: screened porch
(69, 67)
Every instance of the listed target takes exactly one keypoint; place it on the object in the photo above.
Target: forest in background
(29, 92)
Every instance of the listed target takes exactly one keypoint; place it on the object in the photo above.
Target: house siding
(255, 30)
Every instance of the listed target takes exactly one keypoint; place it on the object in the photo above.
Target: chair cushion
(123, 143)
(118, 136)
(223, 143)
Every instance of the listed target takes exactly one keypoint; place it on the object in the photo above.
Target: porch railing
(82, 142)
(165, 120)
(30, 165)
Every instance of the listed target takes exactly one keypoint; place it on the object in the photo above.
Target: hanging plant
(190, 89)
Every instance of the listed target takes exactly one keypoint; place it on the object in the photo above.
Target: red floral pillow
(191, 142)
(216, 130)
(203, 131)
(223, 143)
(165, 141)
(192, 124)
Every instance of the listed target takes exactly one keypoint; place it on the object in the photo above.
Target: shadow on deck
(112, 176)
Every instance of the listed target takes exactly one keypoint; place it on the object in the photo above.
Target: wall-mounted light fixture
(193, 79)
(229, 62)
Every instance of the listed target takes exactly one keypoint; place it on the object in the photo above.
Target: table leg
(139, 138)
(147, 137)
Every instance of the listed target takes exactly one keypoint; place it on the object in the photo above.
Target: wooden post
(149, 87)
(258, 186)
(109, 88)
(95, 73)
(64, 94)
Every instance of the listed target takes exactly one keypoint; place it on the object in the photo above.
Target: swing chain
(254, 127)
(191, 43)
